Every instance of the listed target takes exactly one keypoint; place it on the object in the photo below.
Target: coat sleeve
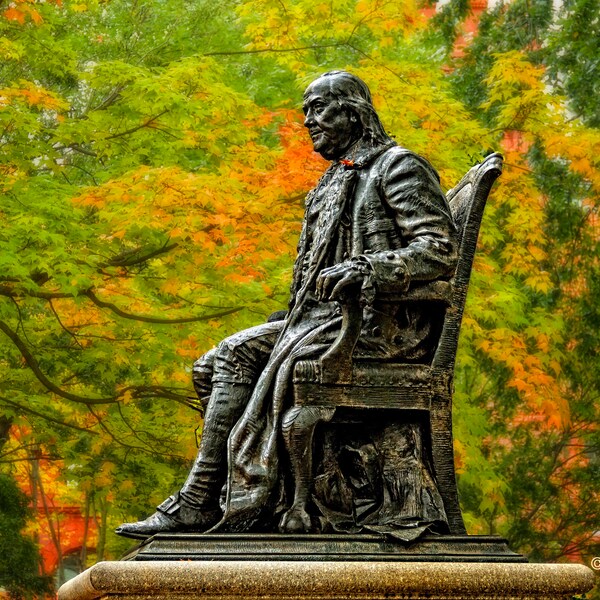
(410, 189)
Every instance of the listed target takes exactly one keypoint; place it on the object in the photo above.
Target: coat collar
(362, 154)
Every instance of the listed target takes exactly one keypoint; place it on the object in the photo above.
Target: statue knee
(202, 374)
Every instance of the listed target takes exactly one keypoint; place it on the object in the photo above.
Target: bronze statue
(376, 225)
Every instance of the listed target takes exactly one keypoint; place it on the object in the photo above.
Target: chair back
(467, 202)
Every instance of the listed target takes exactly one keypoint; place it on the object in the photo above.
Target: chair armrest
(432, 291)
(336, 363)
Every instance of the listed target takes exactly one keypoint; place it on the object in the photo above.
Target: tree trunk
(5, 425)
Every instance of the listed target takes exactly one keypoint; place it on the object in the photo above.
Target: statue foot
(156, 523)
(296, 520)
(159, 522)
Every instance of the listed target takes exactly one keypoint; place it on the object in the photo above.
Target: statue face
(333, 129)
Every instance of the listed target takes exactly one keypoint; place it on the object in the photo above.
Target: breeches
(238, 359)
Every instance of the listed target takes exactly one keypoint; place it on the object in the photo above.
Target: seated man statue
(376, 222)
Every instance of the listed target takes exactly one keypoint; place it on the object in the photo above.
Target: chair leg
(443, 461)
(298, 428)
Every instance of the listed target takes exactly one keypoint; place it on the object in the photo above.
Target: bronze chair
(321, 386)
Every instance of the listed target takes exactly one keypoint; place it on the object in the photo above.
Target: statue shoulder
(399, 158)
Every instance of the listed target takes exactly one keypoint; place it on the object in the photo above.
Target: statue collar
(362, 154)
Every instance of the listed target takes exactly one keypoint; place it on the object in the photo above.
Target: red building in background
(64, 534)
(64, 546)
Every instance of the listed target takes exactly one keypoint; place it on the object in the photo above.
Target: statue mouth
(316, 136)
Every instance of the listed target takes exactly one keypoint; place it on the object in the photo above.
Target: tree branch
(137, 128)
(12, 293)
(140, 391)
(156, 320)
(132, 257)
(110, 99)
(263, 50)
(34, 366)
(46, 417)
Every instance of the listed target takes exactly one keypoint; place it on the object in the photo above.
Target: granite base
(334, 580)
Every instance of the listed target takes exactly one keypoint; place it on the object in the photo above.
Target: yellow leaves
(335, 24)
(10, 50)
(517, 90)
(532, 112)
(580, 146)
(510, 73)
(539, 282)
(459, 456)
(171, 286)
(127, 397)
(181, 377)
(104, 477)
(127, 485)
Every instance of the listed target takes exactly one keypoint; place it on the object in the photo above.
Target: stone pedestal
(300, 580)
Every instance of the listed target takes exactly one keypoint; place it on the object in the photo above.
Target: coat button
(376, 331)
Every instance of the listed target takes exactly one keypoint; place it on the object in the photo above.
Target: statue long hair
(353, 94)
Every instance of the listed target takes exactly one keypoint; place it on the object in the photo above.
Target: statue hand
(332, 281)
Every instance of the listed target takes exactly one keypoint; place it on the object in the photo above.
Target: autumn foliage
(152, 187)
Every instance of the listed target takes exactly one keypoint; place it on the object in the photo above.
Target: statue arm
(411, 190)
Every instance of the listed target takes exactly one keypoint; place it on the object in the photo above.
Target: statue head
(339, 112)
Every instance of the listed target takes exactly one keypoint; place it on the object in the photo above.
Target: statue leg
(202, 488)
(236, 364)
(298, 429)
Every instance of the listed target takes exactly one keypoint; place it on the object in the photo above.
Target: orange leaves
(188, 349)
(21, 11)
(234, 225)
(298, 168)
(533, 374)
(578, 145)
(14, 14)
(33, 95)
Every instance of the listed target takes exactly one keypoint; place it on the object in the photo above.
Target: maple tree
(152, 188)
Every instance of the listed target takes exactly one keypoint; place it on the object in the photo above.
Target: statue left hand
(332, 281)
